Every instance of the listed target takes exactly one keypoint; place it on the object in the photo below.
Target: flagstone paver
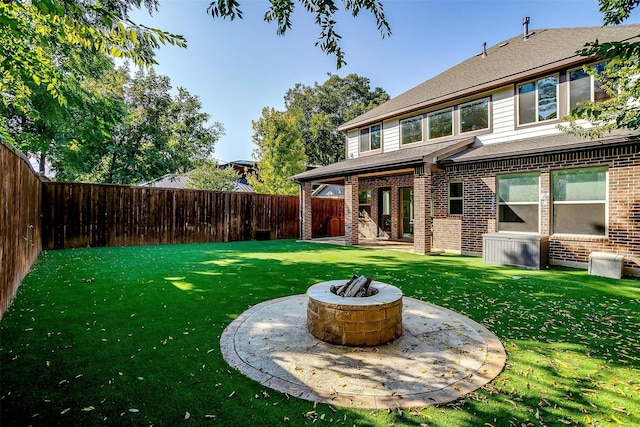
(440, 357)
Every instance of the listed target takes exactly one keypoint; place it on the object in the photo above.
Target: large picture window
(579, 201)
(411, 130)
(538, 101)
(440, 123)
(583, 87)
(474, 115)
(370, 138)
(518, 202)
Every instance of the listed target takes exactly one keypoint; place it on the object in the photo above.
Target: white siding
(503, 108)
(352, 144)
(504, 118)
(391, 135)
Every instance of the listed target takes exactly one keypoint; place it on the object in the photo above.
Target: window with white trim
(474, 115)
(519, 202)
(455, 198)
(585, 87)
(580, 201)
(371, 138)
(411, 130)
(440, 123)
(538, 100)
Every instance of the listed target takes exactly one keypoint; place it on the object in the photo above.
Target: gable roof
(506, 62)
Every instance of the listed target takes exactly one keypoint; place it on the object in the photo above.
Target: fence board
(58, 215)
(20, 224)
(80, 215)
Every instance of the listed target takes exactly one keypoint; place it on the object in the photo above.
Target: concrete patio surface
(440, 357)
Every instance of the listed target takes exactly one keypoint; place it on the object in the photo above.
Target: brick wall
(307, 216)
(351, 212)
(395, 183)
(480, 211)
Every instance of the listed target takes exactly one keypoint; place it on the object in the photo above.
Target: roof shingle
(506, 62)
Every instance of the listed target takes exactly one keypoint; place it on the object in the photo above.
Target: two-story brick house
(477, 150)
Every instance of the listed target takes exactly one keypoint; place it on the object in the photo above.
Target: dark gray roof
(461, 151)
(398, 159)
(539, 145)
(506, 62)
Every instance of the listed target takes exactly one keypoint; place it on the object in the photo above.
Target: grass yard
(130, 336)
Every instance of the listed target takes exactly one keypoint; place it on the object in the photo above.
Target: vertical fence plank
(57, 215)
(78, 215)
(21, 237)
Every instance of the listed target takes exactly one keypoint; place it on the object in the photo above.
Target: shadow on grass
(130, 336)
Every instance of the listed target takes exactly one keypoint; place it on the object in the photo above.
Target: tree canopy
(324, 11)
(34, 34)
(280, 152)
(322, 108)
(208, 176)
(618, 78)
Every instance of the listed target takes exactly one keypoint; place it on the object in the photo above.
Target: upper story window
(474, 115)
(518, 202)
(371, 138)
(584, 87)
(579, 201)
(538, 100)
(411, 130)
(440, 123)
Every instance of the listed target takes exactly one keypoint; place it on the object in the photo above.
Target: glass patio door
(384, 212)
(406, 203)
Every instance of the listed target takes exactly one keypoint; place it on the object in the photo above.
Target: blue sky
(239, 67)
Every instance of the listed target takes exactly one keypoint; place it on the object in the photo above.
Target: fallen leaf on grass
(88, 408)
(232, 393)
(187, 415)
(64, 411)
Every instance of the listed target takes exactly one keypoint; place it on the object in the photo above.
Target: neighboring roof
(246, 163)
(328, 190)
(407, 157)
(170, 180)
(241, 187)
(506, 62)
(180, 181)
(539, 145)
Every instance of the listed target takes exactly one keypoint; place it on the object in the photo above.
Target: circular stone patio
(440, 357)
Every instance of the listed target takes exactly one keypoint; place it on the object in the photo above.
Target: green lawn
(130, 336)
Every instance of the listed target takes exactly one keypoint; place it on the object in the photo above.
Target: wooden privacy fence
(79, 215)
(20, 225)
(36, 215)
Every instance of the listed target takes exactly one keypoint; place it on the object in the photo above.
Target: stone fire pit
(354, 321)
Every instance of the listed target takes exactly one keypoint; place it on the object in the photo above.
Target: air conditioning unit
(606, 264)
(519, 250)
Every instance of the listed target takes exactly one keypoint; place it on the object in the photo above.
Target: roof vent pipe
(525, 23)
(484, 49)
